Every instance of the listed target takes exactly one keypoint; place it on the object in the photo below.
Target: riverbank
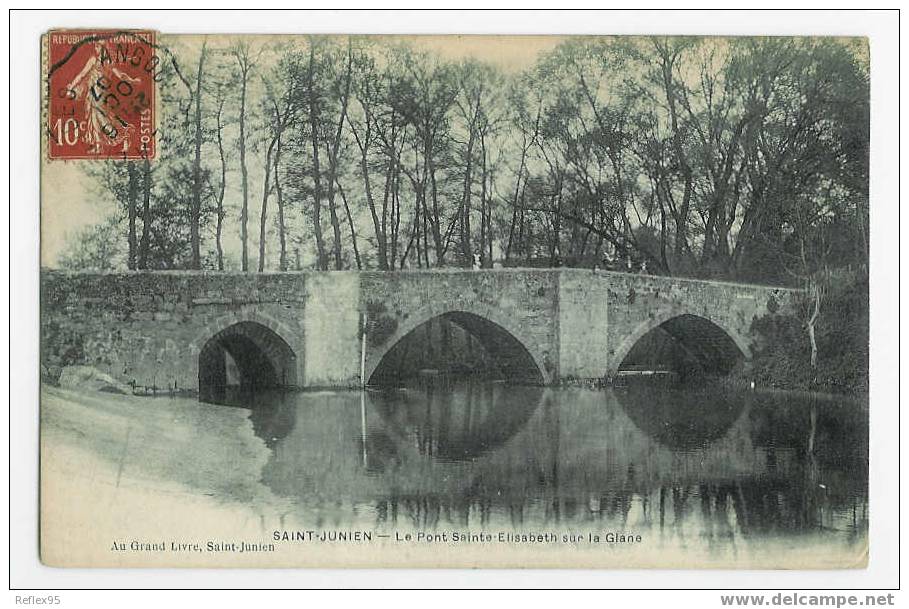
(782, 358)
(117, 469)
(821, 394)
(733, 382)
(796, 384)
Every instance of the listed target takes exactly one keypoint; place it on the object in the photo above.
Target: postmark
(101, 94)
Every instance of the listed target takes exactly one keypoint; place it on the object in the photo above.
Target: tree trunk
(435, 220)
(282, 231)
(146, 215)
(378, 226)
(131, 195)
(485, 207)
(335, 225)
(353, 232)
(466, 247)
(680, 214)
(811, 338)
(414, 238)
(396, 213)
(316, 173)
(244, 174)
(812, 321)
(523, 237)
(265, 192)
(514, 204)
(196, 212)
(219, 224)
(333, 160)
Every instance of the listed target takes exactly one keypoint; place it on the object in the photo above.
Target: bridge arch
(260, 350)
(712, 335)
(491, 327)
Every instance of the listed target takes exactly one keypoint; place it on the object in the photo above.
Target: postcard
(454, 301)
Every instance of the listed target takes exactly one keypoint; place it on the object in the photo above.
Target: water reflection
(681, 419)
(273, 413)
(689, 467)
(455, 423)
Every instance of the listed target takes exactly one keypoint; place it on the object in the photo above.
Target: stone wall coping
(416, 272)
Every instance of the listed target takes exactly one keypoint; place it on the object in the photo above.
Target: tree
(96, 248)
(245, 66)
(342, 83)
(314, 104)
(524, 115)
(371, 130)
(423, 92)
(220, 101)
(197, 185)
(279, 106)
(695, 156)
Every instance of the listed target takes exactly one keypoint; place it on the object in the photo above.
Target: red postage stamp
(101, 94)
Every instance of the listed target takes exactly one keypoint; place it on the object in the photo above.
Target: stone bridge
(304, 329)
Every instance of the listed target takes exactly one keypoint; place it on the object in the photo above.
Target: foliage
(381, 325)
(842, 337)
(736, 158)
(96, 248)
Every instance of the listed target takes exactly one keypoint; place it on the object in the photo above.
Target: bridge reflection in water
(712, 467)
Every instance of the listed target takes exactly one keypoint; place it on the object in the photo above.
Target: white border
(881, 27)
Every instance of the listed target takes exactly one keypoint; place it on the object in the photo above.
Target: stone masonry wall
(583, 325)
(525, 303)
(149, 327)
(638, 303)
(331, 329)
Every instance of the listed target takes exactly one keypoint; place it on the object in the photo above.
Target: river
(709, 465)
(664, 476)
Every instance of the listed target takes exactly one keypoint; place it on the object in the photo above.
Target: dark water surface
(711, 466)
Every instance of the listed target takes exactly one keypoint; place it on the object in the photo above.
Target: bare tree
(281, 111)
(132, 194)
(245, 65)
(313, 96)
(144, 242)
(332, 148)
(222, 184)
(195, 237)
